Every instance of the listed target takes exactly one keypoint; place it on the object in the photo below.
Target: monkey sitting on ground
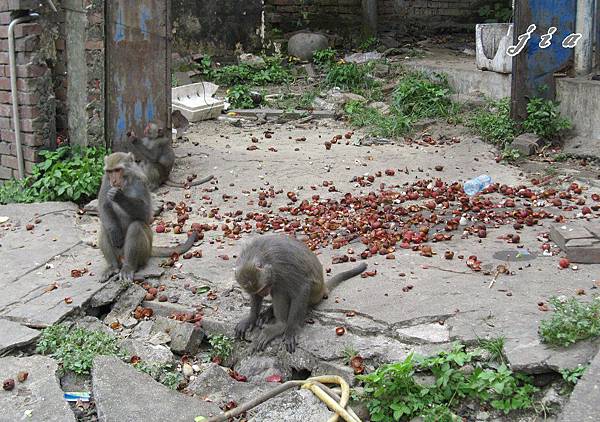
(291, 273)
(125, 215)
(156, 157)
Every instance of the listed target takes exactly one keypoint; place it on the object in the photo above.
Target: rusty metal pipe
(13, 87)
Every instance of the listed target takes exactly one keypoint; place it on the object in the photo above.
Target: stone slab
(527, 144)
(185, 338)
(561, 234)
(108, 294)
(39, 396)
(125, 305)
(293, 406)
(583, 255)
(147, 352)
(583, 404)
(123, 394)
(14, 336)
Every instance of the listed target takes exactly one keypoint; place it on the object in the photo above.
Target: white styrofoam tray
(196, 101)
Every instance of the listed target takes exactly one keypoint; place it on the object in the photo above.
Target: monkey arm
(249, 322)
(133, 202)
(111, 226)
(143, 153)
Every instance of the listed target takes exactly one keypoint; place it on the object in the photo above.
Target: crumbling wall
(339, 17)
(216, 27)
(430, 15)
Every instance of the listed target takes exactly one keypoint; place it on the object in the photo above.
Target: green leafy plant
(324, 58)
(66, 174)
(510, 154)
(572, 375)
(240, 97)
(349, 76)
(498, 12)
(369, 44)
(387, 126)
(303, 101)
(494, 346)
(572, 321)
(420, 96)
(75, 349)
(494, 124)
(272, 72)
(392, 392)
(544, 119)
(222, 347)
(165, 373)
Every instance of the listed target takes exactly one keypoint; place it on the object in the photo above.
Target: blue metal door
(534, 67)
(138, 74)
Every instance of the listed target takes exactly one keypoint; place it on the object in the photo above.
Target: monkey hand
(114, 194)
(290, 342)
(265, 317)
(244, 325)
(116, 238)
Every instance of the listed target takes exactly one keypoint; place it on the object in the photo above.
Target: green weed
(239, 96)
(544, 119)
(164, 373)
(420, 96)
(393, 394)
(494, 124)
(494, 346)
(66, 174)
(572, 321)
(324, 58)
(272, 73)
(388, 126)
(510, 154)
(76, 349)
(222, 347)
(572, 375)
(350, 77)
(369, 44)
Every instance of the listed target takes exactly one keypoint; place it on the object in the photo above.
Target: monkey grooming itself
(125, 215)
(156, 156)
(291, 273)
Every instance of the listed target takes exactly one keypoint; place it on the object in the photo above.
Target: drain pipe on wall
(13, 87)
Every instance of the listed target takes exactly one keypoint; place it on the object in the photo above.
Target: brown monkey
(156, 157)
(291, 273)
(180, 123)
(125, 215)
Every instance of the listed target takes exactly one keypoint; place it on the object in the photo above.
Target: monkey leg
(110, 255)
(281, 306)
(296, 316)
(137, 249)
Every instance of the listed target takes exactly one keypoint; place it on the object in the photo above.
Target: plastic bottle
(478, 184)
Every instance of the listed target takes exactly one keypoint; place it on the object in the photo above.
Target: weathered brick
(6, 173)
(25, 98)
(94, 45)
(4, 148)
(25, 112)
(30, 139)
(9, 161)
(22, 30)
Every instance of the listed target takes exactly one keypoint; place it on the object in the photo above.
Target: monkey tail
(165, 251)
(174, 184)
(338, 278)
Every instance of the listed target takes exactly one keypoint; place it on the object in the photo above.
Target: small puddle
(520, 255)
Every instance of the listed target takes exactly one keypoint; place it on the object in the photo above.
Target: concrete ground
(412, 303)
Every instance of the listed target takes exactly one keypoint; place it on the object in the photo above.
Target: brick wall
(216, 27)
(340, 17)
(34, 50)
(428, 15)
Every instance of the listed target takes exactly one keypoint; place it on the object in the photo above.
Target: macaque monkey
(180, 123)
(156, 157)
(125, 215)
(283, 267)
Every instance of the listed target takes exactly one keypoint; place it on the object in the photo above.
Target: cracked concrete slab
(39, 397)
(583, 403)
(14, 336)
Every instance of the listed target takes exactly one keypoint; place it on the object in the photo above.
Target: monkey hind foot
(267, 335)
(108, 273)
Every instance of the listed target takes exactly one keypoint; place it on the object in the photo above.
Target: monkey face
(255, 279)
(115, 177)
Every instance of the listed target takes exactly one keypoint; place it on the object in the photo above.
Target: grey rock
(143, 330)
(166, 309)
(527, 144)
(14, 335)
(363, 57)
(380, 106)
(305, 44)
(91, 323)
(125, 305)
(212, 381)
(252, 60)
(123, 394)
(40, 394)
(426, 333)
(258, 368)
(483, 416)
(293, 406)
(185, 338)
(583, 403)
(552, 398)
(147, 352)
(108, 294)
